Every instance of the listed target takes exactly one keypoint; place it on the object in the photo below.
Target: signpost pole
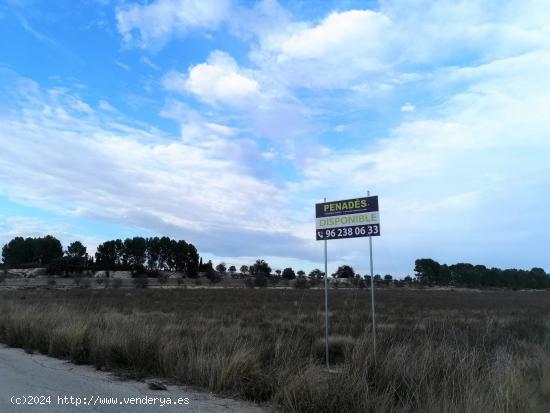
(372, 296)
(326, 304)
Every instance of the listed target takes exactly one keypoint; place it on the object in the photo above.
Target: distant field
(438, 351)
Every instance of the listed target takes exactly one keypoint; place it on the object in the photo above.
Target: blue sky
(223, 122)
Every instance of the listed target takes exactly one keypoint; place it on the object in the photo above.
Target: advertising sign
(349, 218)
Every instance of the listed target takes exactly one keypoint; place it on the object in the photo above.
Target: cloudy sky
(222, 122)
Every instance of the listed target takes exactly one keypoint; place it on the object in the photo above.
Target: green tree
(31, 251)
(288, 274)
(427, 270)
(316, 273)
(244, 269)
(192, 262)
(344, 271)
(221, 268)
(106, 255)
(76, 250)
(260, 267)
(181, 255)
(134, 252)
(153, 252)
(301, 273)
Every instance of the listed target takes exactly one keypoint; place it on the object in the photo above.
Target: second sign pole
(326, 305)
(372, 296)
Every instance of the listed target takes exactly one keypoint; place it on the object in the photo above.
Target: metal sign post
(326, 304)
(372, 296)
(349, 218)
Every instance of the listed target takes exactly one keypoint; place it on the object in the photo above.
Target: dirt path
(23, 375)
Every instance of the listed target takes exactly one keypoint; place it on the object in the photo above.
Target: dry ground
(438, 351)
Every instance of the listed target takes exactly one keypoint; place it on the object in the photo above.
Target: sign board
(349, 218)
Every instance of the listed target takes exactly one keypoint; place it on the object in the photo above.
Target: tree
(47, 249)
(106, 255)
(166, 254)
(316, 273)
(278, 272)
(301, 273)
(244, 269)
(180, 253)
(76, 250)
(134, 252)
(260, 267)
(232, 270)
(153, 252)
(388, 279)
(427, 270)
(31, 251)
(344, 271)
(288, 274)
(17, 252)
(192, 262)
(221, 268)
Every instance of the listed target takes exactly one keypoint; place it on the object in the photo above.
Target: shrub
(117, 282)
(260, 280)
(301, 282)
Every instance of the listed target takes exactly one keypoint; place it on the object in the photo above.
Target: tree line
(432, 273)
(149, 255)
(137, 254)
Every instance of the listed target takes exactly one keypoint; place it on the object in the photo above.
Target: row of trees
(31, 252)
(137, 254)
(140, 254)
(430, 272)
(150, 253)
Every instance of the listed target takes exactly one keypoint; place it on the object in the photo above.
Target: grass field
(438, 351)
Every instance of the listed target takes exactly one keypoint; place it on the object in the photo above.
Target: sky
(223, 122)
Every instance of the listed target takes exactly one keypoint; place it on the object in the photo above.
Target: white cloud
(360, 29)
(147, 62)
(452, 186)
(218, 80)
(153, 24)
(79, 167)
(407, 107)
(174, 82)
(122, 66)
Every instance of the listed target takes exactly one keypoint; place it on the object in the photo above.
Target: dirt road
(49, 384)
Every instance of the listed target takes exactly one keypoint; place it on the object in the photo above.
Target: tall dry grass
(437, 351)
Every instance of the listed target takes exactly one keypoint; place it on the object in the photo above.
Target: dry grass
(438, 351)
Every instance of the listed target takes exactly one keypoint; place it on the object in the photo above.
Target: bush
(301, 282)
(260, 280)
(51, 282)
(117, 283)
(249, 282)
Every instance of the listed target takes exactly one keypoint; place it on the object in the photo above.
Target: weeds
(438, 351)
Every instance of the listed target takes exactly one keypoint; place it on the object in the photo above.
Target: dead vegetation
(438, 351)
